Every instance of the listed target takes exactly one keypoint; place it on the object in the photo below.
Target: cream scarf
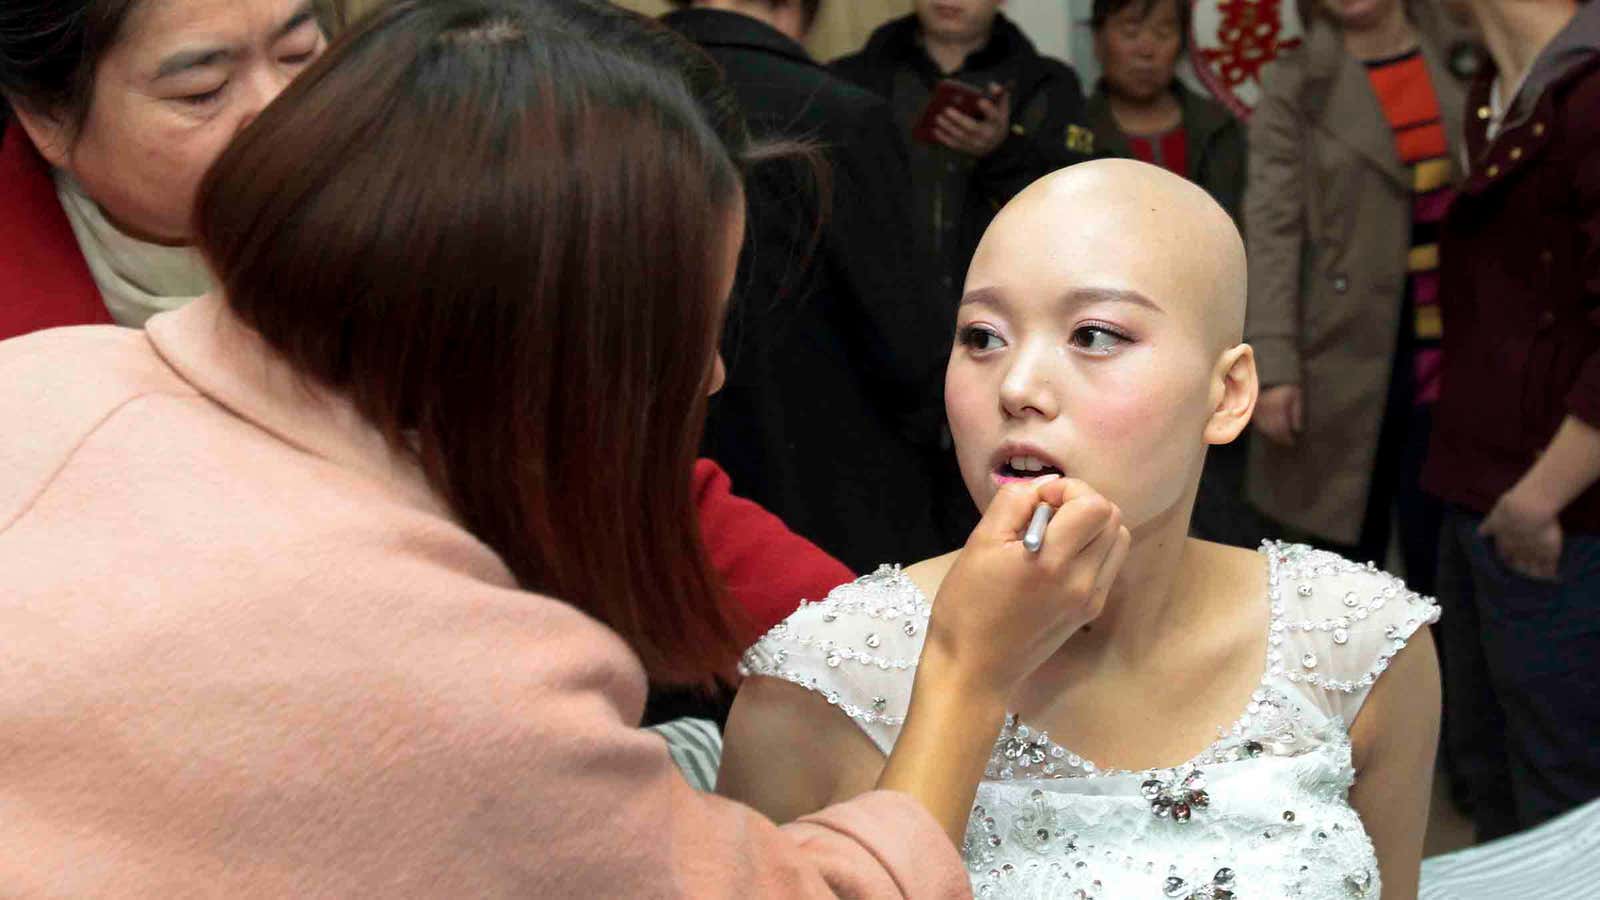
(136, 278)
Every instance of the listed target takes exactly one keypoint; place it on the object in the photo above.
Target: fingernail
(1046, 478)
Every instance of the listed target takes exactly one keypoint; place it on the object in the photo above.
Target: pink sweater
(247, 652)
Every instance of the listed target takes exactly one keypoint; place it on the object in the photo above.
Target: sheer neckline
(1029, 748)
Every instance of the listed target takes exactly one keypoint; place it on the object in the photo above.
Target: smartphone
(949, 93)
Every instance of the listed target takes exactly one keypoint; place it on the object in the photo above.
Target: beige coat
(1328, 226)
(245, 651)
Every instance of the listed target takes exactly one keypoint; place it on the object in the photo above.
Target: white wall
(1047, 23)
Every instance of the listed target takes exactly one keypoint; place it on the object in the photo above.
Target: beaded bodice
(1262, 812)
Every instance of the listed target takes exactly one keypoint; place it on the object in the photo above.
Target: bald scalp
(1171, 222)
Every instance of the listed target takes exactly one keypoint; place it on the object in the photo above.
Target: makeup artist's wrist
(940, 672)
(944, 745)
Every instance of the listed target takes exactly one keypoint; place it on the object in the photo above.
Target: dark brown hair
(501, 235)
(50, 51)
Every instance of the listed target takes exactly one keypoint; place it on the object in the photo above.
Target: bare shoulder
(788, 753)
(929, 574)
(1233, 572)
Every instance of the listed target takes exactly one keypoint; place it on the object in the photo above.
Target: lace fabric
(1263, 811)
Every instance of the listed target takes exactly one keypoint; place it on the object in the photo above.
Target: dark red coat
(766, 568)
(44, 280)
(1520, 294)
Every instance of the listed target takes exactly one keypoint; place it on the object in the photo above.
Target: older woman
(346, 579)
(116, 109)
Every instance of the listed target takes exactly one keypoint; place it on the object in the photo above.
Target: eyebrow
(1113, 295)
(184, 60)
(1077, 297)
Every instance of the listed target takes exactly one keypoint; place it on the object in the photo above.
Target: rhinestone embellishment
(1024, 747)
(1219, 888)
(1176, 795)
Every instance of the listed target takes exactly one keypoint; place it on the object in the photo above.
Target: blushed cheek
(973, 408)
(1136, 446)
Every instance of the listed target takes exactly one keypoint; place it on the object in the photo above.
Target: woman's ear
(48, 134)
(1234, 388)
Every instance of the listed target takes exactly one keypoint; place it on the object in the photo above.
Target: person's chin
(1359, 14)
(1143, 91)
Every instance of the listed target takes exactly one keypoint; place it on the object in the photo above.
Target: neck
(1515, 33)
(950, 53)
(1391, 35)
(762, 12)
(1143, 609)
(1140, 116)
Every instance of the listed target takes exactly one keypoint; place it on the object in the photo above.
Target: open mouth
(1024, 468)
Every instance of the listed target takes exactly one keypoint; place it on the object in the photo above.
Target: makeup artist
(346, 579)
(110, 113)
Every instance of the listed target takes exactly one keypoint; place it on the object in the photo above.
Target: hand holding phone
(965, 118)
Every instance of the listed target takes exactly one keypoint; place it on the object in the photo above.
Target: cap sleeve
(1339, 624)
(858, 649)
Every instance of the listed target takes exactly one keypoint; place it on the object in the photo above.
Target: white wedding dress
(1263, 812)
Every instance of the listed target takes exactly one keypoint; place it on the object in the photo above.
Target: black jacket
(1216, 140)
(955, 196)
(835, 355)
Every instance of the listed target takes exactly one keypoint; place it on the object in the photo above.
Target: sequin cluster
(1176, 793)
(1302, 564)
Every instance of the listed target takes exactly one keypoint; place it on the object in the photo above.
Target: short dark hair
(1103, 10)
(498, 227)
(50, 51)
(809, 9)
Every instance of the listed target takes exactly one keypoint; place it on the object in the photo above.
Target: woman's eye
(301, 57)
(203, 99)
(1094, 339)
(976, 337)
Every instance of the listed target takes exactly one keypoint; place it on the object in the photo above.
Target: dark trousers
(1521, 678)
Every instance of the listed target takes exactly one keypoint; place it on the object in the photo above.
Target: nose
(1027, 388)
(261, 88)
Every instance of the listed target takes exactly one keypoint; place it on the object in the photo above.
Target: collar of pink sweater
(220, 357)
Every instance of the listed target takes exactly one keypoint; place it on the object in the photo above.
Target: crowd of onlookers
(1418, 187)
(1423, 291)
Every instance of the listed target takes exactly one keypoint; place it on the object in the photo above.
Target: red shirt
(766, 568)
(1169, 150)
(44, 280)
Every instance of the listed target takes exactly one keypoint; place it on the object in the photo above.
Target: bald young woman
(1099, 339)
